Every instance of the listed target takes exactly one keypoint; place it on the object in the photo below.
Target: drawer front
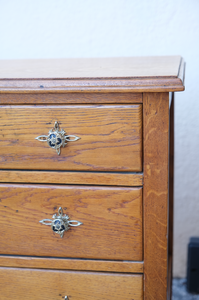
(111, 217)
(110, 137)
(53, 285)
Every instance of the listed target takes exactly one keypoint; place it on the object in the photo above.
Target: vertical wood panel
(171, 191)
(156, 128)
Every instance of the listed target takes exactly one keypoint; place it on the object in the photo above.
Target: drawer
(110, 137)
(111, 217)
(53, 285)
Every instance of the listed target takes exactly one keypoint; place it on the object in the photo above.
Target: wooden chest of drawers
(86, 146)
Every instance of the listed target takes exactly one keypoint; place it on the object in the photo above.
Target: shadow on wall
(180, 291)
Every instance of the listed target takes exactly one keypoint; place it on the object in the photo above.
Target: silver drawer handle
(66, 298)
(57, 138)
(61, 223)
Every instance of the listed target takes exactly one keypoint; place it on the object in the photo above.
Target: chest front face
(84, 167)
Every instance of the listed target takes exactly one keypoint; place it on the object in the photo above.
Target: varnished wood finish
(171, 195)
(87, 178)
(140, 74)
(111, 137)
(115, 106)
(90, 67)
(155, 201)
(72, 264)
(137, 85)
(111, 217)
(55, 285)
(71, 98)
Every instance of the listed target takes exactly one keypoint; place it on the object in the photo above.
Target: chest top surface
(123, 67)
(158, 73)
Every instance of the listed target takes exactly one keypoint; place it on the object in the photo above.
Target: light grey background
(105, 28)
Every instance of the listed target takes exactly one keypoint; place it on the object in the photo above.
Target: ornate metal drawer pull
(57, 138)
(60, 223)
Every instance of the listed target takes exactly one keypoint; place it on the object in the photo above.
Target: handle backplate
(60, 223)
(57, 138)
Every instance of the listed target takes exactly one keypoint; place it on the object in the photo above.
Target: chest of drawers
(86, 147)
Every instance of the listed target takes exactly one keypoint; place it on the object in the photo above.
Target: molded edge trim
(153, 84)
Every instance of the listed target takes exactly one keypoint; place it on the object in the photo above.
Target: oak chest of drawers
(86, 178)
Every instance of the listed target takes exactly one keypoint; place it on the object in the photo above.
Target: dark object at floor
(193, 266)
(180, 290)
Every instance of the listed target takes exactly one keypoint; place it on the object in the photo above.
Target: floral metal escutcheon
(61, 223)
(57, 138)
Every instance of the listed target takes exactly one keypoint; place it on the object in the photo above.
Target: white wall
(89, 28)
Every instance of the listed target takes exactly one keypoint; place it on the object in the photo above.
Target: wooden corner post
(155, 196)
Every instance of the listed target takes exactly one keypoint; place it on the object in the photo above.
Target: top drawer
(110, 137)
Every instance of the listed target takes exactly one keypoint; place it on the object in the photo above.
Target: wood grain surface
(71, 98)
(137, 74)
(55, 285)
(69, 68)
(71, 264)
(171, 196)
(128, 85)
(155, 194)
(60, 177)
(111, 217)
(111, 137)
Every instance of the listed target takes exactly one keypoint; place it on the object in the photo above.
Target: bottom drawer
(21, 284)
